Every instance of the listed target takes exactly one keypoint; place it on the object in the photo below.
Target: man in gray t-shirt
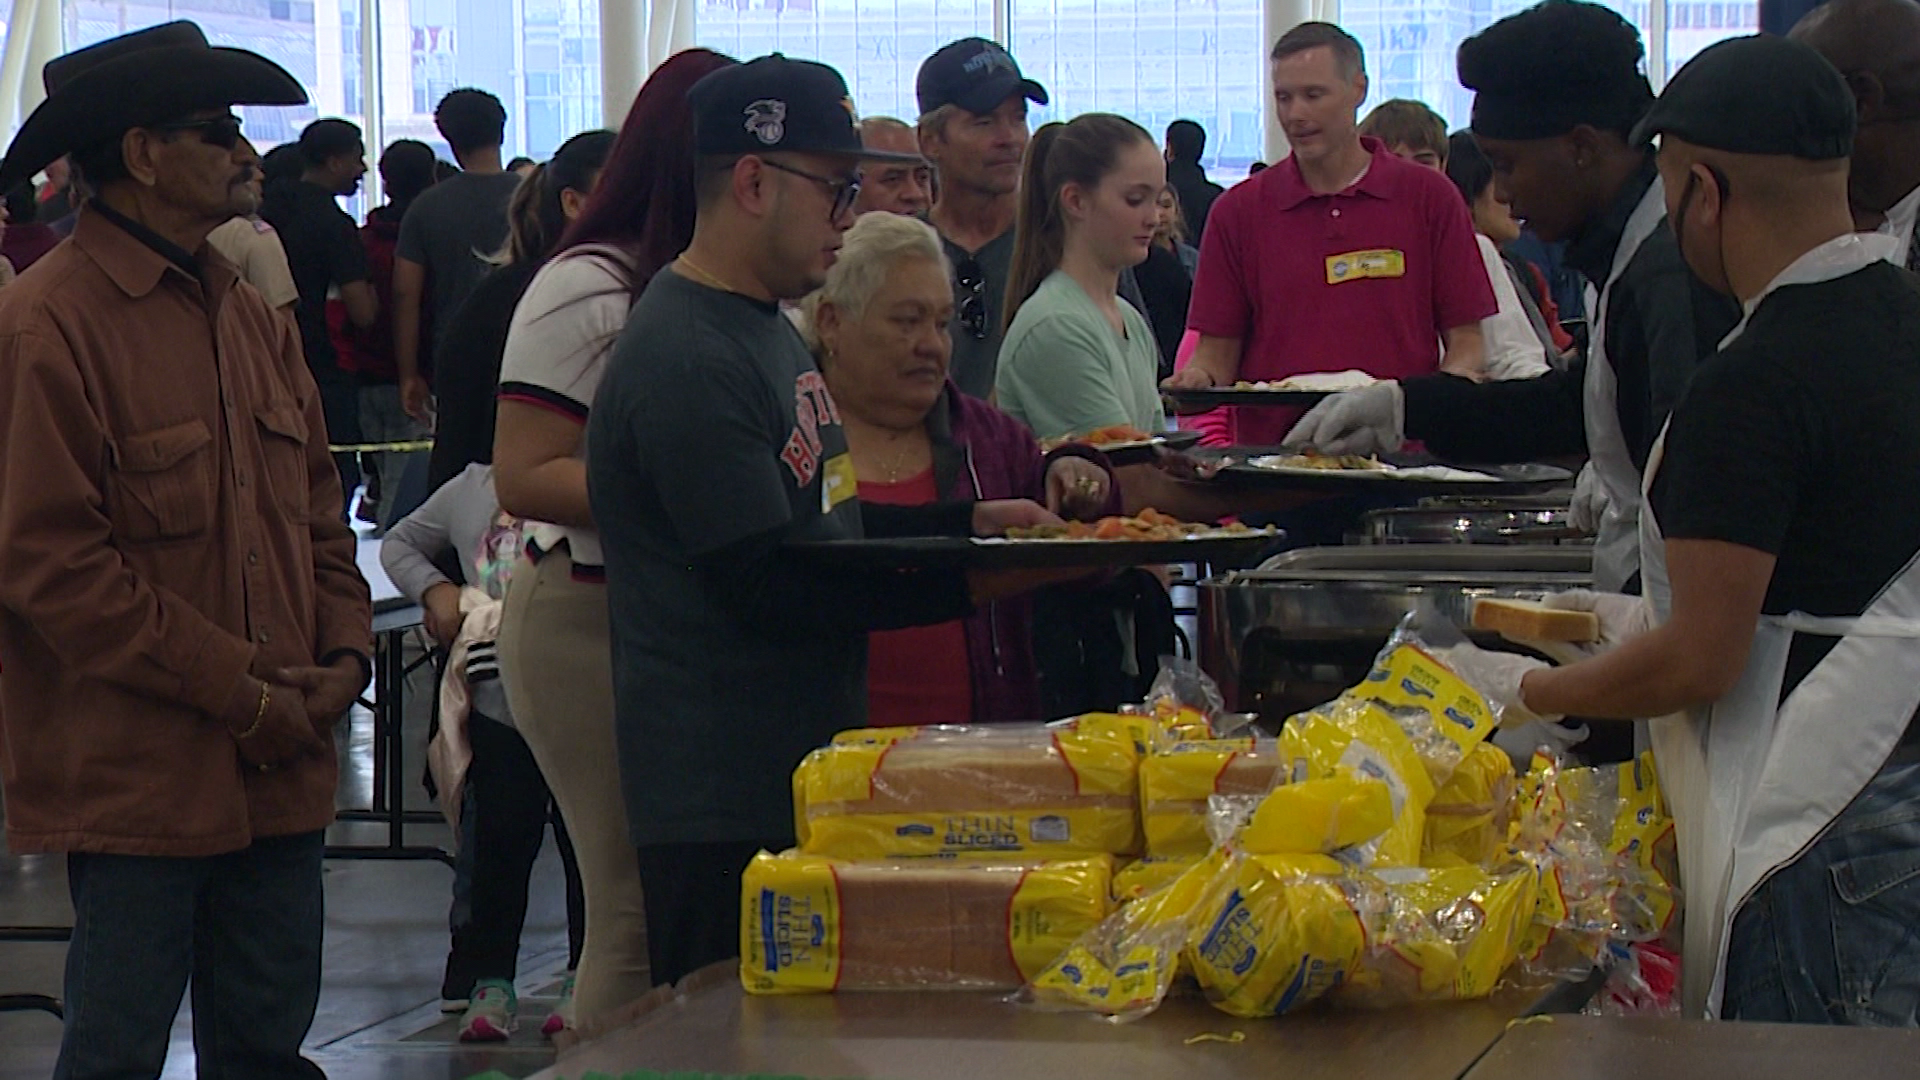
(448, 234)
(712, 444)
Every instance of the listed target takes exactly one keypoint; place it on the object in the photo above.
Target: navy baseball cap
(1757, 95)
(976, 75)
(775, 104)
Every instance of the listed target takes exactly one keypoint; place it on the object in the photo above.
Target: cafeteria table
(708, 1024)
(1608, 1048)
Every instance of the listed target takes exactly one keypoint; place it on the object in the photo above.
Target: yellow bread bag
(810, 924)
(1148, 875)
(1357, 737)
(1444, 934)
(1319, 817)
(1124, 967)
(1605, 849)
(1443, 716)
(1020, 792)
(1470, 815)
(1177, 781)
(1277, 932)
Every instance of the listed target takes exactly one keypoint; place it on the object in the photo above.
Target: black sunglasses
(973, 309)
(220, 131)
(844, 190)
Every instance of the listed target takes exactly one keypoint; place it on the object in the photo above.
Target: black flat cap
(1757, 95)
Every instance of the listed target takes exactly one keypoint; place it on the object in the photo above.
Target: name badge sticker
(1356, 265)
(837, 483)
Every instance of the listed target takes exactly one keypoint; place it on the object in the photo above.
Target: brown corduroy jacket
(169, 522)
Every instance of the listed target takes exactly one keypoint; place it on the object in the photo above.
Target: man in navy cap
(713, 444)
(973, 128)
(1780, 545)
(181, 617)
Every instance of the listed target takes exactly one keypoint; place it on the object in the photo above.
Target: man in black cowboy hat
(181, 619)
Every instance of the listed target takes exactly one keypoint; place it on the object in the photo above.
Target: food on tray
(1106, 436)
(1530, 620)
(1318, 382)
(811, 924)
(989, 791)
(1329, 463)
(1148, 524)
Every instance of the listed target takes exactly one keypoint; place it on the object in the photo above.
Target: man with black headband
(1876, 45)
(1558, 91)
(1780, 636)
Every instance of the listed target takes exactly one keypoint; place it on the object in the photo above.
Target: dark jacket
(1196, 192)
(467, 372)
(982, 453)
(1662, 323)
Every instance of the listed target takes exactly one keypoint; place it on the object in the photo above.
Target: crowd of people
(650, 363)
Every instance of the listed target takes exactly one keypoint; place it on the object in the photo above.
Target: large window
(1154, 61)
(876, 44)
(1159, 60)
(541, 57)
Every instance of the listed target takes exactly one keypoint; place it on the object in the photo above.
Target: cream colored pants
(557, 663)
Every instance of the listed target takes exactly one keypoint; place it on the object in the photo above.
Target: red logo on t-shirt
(813, 409)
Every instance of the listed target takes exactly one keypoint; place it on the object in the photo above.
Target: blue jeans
(1834, 937)
(244, 928)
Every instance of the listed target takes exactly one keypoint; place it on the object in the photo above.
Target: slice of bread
(1529, 620)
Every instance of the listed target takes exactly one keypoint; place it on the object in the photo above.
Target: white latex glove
(1520, 741)
(1369, 421)
(1498, 675)
(1589, 501)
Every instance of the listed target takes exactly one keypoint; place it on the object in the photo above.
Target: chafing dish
(1539, 519)
(1307, 624)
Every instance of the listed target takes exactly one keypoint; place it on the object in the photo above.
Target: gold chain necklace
(710, 278)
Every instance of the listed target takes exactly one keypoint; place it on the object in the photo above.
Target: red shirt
(1367, 278)
(919, 675)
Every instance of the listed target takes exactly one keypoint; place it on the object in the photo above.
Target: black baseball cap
(1757, 95)
(976, 75)
(775, 104)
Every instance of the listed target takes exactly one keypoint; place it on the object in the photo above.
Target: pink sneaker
(490, 1014)
(562, 1016)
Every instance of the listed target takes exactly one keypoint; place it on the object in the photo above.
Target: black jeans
(692, 893)
(511, 809)
(244, 927)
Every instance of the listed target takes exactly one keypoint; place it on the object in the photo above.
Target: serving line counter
(709, 1024)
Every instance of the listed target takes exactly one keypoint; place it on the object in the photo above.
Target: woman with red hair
(554, 648)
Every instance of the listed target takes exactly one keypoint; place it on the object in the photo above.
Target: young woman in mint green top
(1078, 357)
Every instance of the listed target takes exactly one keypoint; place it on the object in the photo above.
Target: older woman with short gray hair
(879, 328)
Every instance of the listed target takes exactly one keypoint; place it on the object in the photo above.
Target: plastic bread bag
(1354, 736)
(1605, 849)
(1021, 792)
(1444, 934)
(1177, 780)
(1123, 968)
(1149, 874)
(1320, 816)
(1469, 818)
(1421, 679)
(1277, 932)
(1643, 980)
(811, 924)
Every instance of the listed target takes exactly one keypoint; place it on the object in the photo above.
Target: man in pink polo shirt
(1341, 256)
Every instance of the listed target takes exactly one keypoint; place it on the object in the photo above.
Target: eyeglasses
(973, 310)
(844, 190)
(220, 131)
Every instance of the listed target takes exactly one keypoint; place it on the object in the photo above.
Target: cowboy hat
(98, 93)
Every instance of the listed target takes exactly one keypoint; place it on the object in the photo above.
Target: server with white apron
(1781, 550)
(1558, 92)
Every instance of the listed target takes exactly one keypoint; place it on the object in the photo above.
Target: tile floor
(386, 943)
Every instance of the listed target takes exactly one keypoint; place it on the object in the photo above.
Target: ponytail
(1082, 151)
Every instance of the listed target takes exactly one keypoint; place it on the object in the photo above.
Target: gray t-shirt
(712, 427)
(979, 285)
(452, 230)
(976, 340)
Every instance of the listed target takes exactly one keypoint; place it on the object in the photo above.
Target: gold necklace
(899, 458)
(710, 278)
